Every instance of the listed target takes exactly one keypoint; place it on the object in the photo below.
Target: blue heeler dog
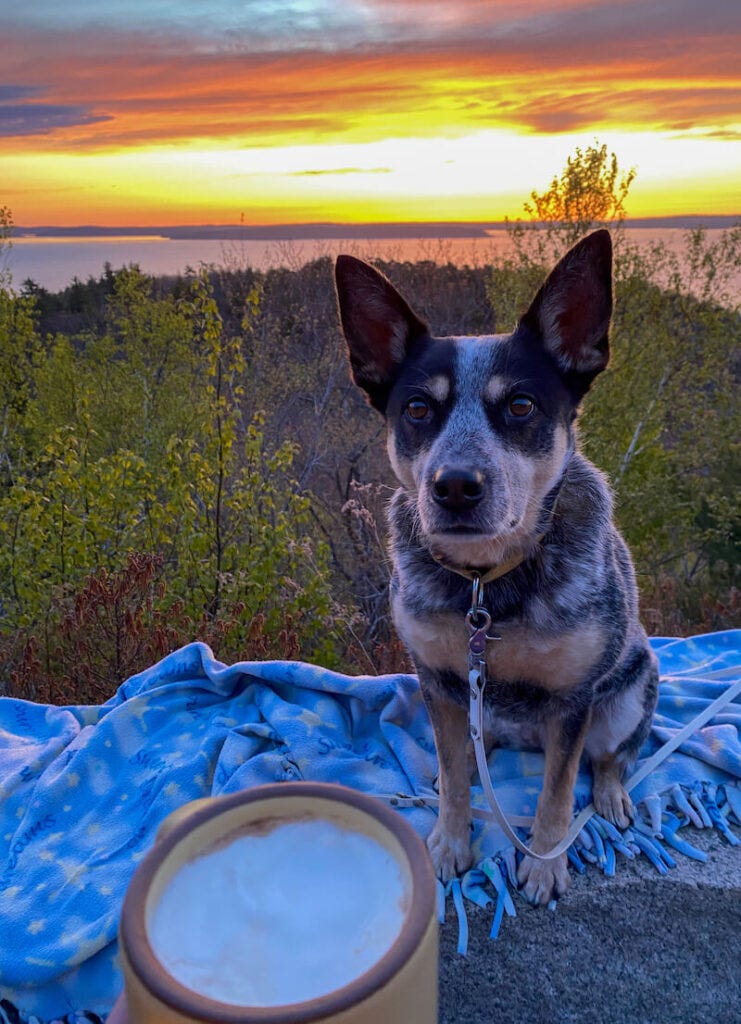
(481, 436)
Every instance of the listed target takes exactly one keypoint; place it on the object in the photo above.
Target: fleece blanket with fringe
(83, 790)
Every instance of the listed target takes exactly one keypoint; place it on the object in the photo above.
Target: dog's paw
(613, 803)
(543, 880)
(450, 855)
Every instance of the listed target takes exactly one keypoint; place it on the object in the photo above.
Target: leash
(478, 621)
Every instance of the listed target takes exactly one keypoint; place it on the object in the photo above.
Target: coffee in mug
(295, 903)
(280, 915)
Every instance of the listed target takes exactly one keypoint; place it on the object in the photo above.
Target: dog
(482, 439)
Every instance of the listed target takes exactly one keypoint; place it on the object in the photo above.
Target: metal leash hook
(478, 621)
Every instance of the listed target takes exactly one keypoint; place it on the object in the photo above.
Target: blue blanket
(83, 789)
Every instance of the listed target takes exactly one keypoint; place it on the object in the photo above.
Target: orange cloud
(585, 66)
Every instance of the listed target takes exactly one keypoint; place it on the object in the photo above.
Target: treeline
(187, 459)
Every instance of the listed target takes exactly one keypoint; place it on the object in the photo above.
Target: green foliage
(20, 353)
(133, 440)
(6, 230)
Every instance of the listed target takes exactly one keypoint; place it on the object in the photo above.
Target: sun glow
(483, 176)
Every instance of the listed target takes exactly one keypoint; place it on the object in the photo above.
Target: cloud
(17, 92)
(339, 170)
(18, 119)
(207, 25)
(719, 135)
(540, 25)
(565, 107)
(353, 26)
(314, 70)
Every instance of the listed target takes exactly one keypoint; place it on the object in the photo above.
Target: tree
(6, 231)
(19, 355)
(589, 192)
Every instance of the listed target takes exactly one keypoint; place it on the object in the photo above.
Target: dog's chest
(556, 664)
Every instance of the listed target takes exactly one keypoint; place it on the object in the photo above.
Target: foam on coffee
(280, 917)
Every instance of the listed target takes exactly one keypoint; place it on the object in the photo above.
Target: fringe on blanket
(659, 818)
(10, 1015)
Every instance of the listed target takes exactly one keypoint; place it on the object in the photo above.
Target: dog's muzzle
(457, 489)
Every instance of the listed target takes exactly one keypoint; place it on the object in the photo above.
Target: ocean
(54, 263)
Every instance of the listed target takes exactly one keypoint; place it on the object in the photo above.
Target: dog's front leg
(544, 880)
(450, 840)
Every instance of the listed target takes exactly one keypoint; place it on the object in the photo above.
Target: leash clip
(478, 621)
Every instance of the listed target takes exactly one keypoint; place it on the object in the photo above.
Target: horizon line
(338, 229)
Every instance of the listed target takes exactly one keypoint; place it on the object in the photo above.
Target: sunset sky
(173, 112)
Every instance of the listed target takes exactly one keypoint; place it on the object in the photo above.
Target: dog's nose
(457, 489)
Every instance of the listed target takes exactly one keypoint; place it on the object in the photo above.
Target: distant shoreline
(298, 232)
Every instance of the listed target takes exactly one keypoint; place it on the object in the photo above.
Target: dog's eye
(417, 408)
(521, 406)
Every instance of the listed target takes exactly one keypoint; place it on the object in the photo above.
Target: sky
(155, 112)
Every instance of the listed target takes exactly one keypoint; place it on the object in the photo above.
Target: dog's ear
(378, 326)
(572, 310)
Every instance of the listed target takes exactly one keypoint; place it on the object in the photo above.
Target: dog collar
(485, 575)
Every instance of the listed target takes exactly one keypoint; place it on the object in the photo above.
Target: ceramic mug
(398, 988)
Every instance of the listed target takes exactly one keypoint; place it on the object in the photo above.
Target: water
(53, 263)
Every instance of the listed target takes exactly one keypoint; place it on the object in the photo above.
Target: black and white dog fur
(481, 436)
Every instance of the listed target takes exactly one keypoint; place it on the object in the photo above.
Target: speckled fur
(573, 672)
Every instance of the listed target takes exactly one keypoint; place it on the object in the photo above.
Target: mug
(399, 987)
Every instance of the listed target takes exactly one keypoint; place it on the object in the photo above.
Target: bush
(132, 445)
